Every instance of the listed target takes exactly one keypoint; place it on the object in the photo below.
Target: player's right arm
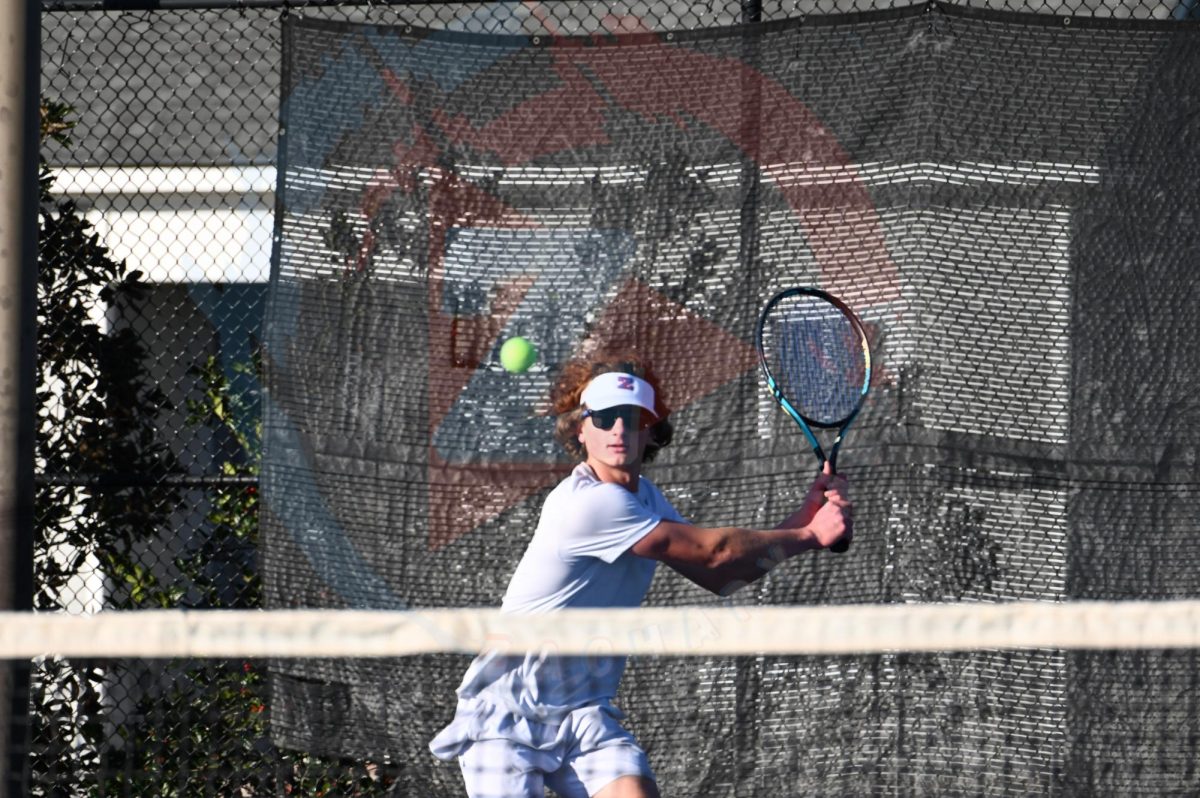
(724, 559)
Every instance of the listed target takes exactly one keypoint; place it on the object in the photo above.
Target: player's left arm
(724, 559)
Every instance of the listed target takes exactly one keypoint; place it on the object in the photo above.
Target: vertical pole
(20, 55)
(750, 669)
(750, 134)
(751, 116)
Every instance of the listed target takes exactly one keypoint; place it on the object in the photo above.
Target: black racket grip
(842, 546)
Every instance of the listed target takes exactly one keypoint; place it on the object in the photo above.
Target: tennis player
(533, 721)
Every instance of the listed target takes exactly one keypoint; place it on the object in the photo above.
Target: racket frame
(807, 424)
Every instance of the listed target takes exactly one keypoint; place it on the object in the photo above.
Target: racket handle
(843, 545)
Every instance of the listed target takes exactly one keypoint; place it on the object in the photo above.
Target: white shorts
(592, 751)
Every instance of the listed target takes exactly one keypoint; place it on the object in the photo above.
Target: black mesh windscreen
(1006, 201)
(1003, 189)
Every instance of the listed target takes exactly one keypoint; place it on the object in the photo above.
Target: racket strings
(816, 356)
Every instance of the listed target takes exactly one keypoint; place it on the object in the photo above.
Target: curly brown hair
(575, 376)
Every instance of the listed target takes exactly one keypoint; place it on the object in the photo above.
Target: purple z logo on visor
(625, 383)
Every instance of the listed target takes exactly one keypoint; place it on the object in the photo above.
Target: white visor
(613, 389)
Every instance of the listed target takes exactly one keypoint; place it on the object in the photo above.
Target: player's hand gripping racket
(817, 363)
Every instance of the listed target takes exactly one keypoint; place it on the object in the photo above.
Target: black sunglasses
(633, 416)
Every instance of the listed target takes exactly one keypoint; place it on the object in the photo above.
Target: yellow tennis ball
(517, 354)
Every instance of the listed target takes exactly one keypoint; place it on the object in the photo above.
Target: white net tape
(655, 631)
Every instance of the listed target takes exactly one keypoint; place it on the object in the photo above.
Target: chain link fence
(160, 142)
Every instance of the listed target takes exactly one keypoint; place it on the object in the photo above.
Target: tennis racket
(817, 364)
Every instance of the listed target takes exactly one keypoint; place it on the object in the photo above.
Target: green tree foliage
(95, 407)
(180, 728)
(94, 435)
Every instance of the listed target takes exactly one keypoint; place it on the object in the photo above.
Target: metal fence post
(20, 48)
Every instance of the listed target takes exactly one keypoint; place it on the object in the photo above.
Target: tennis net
(910, 699)
(656, 631)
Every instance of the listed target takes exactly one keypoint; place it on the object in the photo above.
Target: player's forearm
(742, 556)
(813, 502)
(796, 520)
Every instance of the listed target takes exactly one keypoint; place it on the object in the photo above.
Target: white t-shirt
(578, 557)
